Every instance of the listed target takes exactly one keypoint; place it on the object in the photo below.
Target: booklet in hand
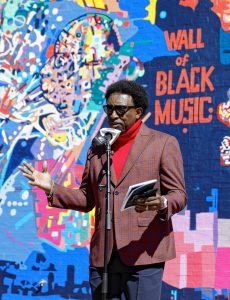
(142, 189)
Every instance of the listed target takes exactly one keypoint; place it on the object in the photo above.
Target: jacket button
(116, 193)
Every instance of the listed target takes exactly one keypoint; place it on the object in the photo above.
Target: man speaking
(141, 238)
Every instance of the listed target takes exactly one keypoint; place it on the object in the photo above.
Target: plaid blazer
(141, 238)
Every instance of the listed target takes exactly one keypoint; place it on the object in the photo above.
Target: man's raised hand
(42, 179)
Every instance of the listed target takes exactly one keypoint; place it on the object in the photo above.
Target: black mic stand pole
(107, 222)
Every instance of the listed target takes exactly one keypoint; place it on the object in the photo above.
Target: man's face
(122, 121)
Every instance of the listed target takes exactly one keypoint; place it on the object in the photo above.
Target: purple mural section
(56, 60)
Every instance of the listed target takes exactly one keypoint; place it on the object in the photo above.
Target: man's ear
(139, 111)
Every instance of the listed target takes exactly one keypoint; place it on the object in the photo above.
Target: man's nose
(113, 115)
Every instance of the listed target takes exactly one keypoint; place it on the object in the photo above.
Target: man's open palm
(42, 179)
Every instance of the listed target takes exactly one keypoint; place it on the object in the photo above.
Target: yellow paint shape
(62, 215)
(49, 222)
(68, 180)
(60, 137)
(92, 3)
(151, 9)
(99, 4)
(80, 2)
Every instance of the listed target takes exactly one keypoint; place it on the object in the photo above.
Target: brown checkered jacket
(141, 238)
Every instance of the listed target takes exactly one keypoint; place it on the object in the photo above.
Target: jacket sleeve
(81, 199)
(172, 177)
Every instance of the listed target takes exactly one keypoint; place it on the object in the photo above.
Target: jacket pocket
(144, 222)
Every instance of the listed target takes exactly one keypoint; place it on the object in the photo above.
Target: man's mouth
(116, 125)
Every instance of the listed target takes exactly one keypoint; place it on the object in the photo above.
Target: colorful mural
(56, 60)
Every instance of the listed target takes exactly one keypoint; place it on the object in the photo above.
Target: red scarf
(122, 146)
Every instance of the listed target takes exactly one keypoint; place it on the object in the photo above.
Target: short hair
(131, 88)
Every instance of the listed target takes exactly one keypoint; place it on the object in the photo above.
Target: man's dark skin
(43, 179)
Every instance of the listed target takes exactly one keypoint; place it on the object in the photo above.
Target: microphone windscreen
(98, 141)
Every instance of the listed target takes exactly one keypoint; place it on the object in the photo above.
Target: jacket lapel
(139, 144)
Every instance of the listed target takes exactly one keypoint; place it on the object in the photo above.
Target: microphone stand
(108, 137)
(107, 222)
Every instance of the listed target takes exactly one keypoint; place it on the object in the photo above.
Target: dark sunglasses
(119, 109)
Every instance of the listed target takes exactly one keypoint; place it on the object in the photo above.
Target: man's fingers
(25, 171)
(29, 176)
(140, 200)
(44, 166)
(139, 210)
(31, 182)
(28, 166)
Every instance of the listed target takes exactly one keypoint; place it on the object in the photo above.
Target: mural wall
(56, 60)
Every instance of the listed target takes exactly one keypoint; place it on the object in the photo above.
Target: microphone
(106, 135)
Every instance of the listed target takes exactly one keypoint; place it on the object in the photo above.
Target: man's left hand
(153, 203)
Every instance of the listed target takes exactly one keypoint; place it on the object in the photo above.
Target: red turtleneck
(122, 146)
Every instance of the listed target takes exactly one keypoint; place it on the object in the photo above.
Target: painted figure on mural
(141, 239)
(222, 9)
(223, 111)
(223, 115)
(55, 114)
(87, 57)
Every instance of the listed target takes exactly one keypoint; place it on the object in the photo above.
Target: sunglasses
(119, 109)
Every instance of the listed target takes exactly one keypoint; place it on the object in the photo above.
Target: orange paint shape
(189, 3)
(50, 51)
